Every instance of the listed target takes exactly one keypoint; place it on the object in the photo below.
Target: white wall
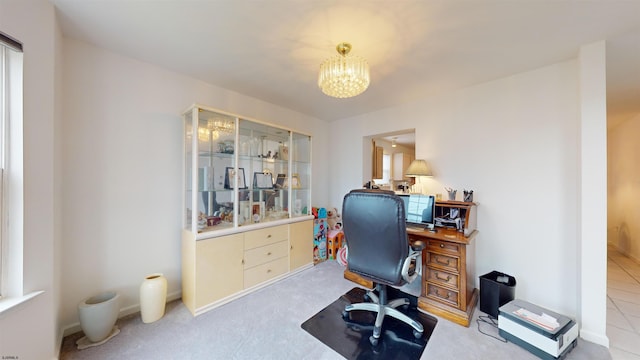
(624, 187)
(515, 142)
(123, 169)
(31, 331)
(592, 225)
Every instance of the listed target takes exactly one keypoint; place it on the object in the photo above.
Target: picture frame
(231, 179)
(283, 152)
(295, 181)
(262, 180)
(281, 181)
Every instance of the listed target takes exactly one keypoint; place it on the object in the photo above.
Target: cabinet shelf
(224, 155)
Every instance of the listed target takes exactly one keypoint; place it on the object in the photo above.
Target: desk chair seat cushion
(376, 236)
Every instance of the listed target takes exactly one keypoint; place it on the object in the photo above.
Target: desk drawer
(446, 296)
(261, 273)
(443, 278)
(266, 236)
(264, 254)
(442, 261)
(449, 247)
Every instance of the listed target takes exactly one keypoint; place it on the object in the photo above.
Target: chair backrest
(375, 231)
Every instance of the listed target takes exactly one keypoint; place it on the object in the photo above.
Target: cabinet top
(444, 234)
(241, 229)
(210, 109)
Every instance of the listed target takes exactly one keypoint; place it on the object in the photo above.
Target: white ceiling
(271, 50)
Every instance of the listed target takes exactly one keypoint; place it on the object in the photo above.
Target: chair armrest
(413, 256)
(418, 245)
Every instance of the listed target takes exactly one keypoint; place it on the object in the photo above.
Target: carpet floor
(266, 325)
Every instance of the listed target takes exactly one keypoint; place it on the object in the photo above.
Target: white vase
(98, 315)
(153, 297)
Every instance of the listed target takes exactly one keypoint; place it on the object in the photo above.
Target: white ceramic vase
(98, 315)
(153, 297)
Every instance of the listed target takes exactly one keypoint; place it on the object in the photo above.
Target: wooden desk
(448, 275)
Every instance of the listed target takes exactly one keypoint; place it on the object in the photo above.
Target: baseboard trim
(596, 338)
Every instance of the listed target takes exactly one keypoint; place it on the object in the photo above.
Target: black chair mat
(350, 338)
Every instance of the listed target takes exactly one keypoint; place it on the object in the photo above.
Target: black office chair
(379, 250)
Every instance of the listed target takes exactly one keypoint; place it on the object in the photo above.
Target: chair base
(382, 308)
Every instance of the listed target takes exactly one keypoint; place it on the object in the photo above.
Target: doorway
(390, 155)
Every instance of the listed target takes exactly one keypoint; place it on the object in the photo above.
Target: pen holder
(452, 194)
(468, 195)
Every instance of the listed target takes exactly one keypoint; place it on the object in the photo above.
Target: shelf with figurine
(246, 172)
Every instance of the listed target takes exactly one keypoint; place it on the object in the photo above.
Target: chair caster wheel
(366, 298)
(417, 334)
(373, 341)
(345, 314)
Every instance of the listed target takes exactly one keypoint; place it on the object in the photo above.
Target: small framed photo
(262, 180)
(283, 150)
(295, 181)
(233, 180)
(281, 181)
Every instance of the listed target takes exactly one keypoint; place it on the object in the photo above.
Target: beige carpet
(266, 325)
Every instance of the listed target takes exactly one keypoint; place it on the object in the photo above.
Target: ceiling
(271, 50)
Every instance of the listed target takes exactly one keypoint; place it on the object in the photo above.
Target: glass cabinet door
(240, 172)
(209, 195)
(300, 154)
(262, 157)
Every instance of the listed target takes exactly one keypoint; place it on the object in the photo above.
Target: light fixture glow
(214, 128)
(344, 75)
(393, 142)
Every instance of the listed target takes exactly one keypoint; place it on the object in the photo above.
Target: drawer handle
(269, 236)
(269, 253)
(447, 294)
(447, 278)
(443, 262)
(268, 270)
(442, 246)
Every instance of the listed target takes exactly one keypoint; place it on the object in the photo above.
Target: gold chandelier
(344, 75)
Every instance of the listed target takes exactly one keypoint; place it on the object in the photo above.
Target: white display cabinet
(241, 172)
(247, 206)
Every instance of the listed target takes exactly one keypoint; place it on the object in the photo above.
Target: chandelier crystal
(344, 75)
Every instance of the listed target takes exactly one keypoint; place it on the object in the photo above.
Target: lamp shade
(418, 168)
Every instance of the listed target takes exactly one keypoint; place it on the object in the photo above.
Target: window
(11, 193)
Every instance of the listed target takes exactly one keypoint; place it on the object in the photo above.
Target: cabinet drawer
(266, 236)
(443, 278)
(264, 254)
(450, 247)
(446, 296)
(442, 261)
(264, 272)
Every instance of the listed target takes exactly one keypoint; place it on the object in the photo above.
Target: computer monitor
(421, 210)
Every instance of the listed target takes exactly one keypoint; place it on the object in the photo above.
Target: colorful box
(319, 240)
